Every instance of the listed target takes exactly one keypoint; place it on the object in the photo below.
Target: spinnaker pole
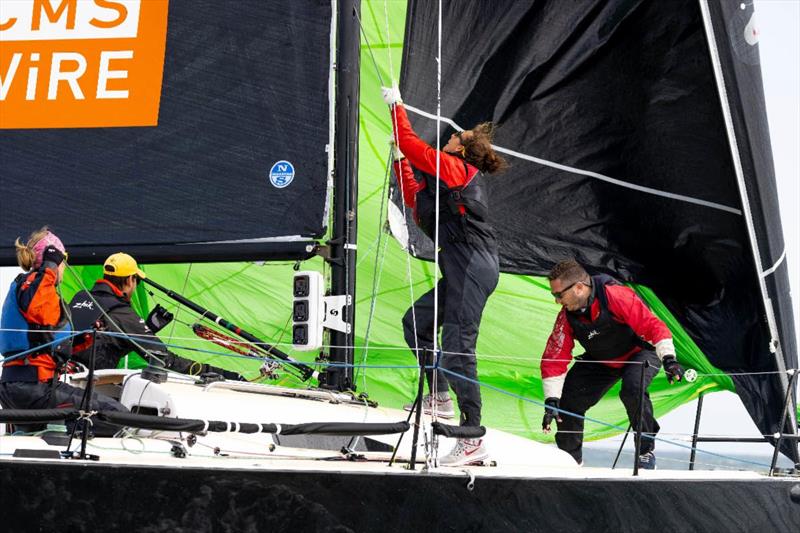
(306, 372)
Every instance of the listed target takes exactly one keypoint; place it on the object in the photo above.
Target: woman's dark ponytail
(478, 150)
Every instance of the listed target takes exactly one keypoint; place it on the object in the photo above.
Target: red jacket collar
(113, 287)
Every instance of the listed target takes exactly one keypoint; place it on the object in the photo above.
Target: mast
(345, 187)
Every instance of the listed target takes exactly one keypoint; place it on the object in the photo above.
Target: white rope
(436, 223)
(588, 173)
(774, 345)
(177, 310)
(376, 282)
(774, 267)
(400, 164)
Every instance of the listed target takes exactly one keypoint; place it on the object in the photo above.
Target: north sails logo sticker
(281, 174)
(81, 63)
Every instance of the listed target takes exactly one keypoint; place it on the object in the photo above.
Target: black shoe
(647, 461)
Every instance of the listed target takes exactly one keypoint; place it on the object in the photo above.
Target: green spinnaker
(516, 322)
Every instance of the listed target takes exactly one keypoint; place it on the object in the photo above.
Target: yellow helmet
(122, 265)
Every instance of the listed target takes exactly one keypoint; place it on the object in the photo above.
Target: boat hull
(87, 496)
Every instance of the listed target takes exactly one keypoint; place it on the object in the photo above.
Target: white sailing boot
(465, 452)
(444, 405)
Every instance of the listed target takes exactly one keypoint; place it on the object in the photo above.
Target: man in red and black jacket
(619, 334)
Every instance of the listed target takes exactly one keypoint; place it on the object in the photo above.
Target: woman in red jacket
(468, 260)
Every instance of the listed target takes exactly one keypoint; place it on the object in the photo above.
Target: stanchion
(786, 404)
(639, 416)
(408, 419)
(622, 445)
(87, 398)
(696, 431)
(418, 409)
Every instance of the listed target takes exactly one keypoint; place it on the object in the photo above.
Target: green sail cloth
(516, 322)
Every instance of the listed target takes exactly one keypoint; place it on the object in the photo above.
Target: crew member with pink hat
(35, 335)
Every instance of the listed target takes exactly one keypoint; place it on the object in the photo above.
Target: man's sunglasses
(560, 294)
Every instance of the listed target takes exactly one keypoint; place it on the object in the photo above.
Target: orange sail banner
(81, 63)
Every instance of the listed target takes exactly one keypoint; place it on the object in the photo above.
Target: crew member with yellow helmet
(107, 307)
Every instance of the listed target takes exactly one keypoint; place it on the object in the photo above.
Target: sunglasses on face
(560, 294)
(458, 134)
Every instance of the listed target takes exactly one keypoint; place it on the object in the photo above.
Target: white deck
(515, 457)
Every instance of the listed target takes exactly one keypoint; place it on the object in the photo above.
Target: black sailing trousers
(43, 395)
(469, 276)
(587, 383)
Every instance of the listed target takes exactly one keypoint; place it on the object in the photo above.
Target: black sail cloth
(234, 103)
(622, 96)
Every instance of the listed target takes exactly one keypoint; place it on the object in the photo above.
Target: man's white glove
(391, 95)
(397, 155)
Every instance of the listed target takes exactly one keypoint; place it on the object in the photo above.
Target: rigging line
(530, 358)
(388, 36)
(596, 421)
(588, 173)
(375, 273)
(369, 47)
(400, 165)
(368, 252)
(712, 466)
(39, 347)
(774, 345)
(373, 305)
(435, 335)
(774, 267)
(180, 305)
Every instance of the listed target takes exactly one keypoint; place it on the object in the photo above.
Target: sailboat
(221, 144)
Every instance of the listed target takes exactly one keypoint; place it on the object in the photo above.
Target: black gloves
(550, 414)
(158, 318)
(672, 369)
(62, 352)
(53, 255)
(182, 365)
(228, 374)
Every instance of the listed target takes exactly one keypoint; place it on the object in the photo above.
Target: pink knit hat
(44, 242)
